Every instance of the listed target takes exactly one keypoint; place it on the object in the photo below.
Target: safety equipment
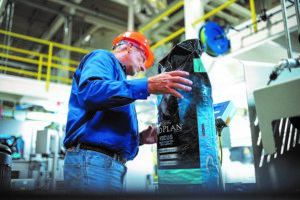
(214, 39)
(139, 40)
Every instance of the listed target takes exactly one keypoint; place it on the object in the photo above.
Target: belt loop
(115, 156)
(77, 147)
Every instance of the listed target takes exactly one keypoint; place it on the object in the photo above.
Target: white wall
(138, 169)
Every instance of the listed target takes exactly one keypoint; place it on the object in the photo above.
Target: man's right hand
(168, 82)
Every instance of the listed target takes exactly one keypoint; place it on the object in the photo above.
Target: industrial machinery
(38, 168)
(274, 113)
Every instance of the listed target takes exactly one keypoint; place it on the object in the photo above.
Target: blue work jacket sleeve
(103, 84)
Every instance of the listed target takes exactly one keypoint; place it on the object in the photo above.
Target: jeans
(89, 172)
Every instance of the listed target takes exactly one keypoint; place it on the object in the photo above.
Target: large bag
(187, 148)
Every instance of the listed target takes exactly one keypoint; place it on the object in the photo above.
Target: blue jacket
(101, 105)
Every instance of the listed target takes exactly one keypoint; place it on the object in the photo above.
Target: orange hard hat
(140, 40)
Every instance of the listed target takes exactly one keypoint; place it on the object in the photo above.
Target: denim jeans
(89, 172)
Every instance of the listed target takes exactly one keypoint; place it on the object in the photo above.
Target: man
(102, 128)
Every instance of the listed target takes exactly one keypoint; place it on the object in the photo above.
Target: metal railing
(182, 30)
(206, 16)
(46, 62)
(40, 64)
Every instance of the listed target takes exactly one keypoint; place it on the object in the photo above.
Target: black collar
(123, 67)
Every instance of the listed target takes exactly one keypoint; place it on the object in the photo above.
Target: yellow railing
(253, 15)
(45, 63)
(206, 16)
(182, 30)
(41, 64)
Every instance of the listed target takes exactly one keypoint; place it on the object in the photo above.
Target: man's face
(136, 60)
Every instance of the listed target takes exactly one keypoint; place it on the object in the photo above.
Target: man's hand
(148, 136)
(168, 82)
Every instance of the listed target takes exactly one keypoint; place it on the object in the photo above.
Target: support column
(193, 10)
(297, 9)
(67, 41)
(130, 15)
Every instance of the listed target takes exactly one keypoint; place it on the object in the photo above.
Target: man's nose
(143, 68)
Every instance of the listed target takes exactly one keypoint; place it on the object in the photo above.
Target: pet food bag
(187, 147)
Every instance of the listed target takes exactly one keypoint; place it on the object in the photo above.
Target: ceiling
(48, 19)
(92, 24)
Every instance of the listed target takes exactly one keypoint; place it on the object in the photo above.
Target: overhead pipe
(237, 8)
(213, 12)
(286, 29)
(162, 16)
(297, 7)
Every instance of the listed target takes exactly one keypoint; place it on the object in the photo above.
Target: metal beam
(236, 8)
(44, 8)
(221, 14)
(163, 28)
(96, 21)
(157, 18)
(90, 31)
(91, 13)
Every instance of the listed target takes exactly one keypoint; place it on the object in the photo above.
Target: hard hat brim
(139, 40)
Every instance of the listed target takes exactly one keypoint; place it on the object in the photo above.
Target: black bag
(187, 148)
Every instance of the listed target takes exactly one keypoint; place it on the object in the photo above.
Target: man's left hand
(148, 136)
